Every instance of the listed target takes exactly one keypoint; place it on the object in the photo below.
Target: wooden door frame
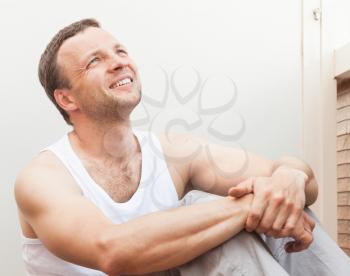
(319, 93)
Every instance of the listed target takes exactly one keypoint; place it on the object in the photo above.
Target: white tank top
(156, 191)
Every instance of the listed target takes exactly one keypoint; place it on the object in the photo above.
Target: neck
(113, 140)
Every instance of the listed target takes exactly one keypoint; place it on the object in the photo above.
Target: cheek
(95, 78)
(133, 66)
(136, 71)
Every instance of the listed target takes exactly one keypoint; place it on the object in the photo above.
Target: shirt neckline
(82, 168)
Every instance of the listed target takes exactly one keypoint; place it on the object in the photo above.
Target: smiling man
(108, 199)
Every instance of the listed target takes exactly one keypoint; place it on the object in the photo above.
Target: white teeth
(121, 82)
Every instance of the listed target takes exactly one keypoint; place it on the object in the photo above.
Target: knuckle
(255, 215)
(276, 228)
(283, 234)
(261, 230)
(264, 227)
(267, 193)
(278, 198)
(289, 228)
(289, 204)
(312, 223)
(297, 209)
(250, 226)
(307, 243)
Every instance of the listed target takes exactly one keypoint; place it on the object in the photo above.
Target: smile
(122, 82)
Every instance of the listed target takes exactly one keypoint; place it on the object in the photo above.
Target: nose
(116, 63)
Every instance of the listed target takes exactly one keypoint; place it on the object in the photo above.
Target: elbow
(111, 261)
(311, 191)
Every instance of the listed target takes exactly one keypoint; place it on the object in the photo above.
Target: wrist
(293, 163)
(243, 203)
(297, 172)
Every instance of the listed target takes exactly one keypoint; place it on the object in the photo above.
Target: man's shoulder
(180, 144)
(43, 175)
(44, 162)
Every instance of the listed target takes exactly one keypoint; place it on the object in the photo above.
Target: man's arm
(281, 188)
(73, 228)
(215, 168)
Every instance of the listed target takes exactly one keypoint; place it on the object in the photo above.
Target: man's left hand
(278, 201)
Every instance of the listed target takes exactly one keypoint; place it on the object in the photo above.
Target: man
(102, 201)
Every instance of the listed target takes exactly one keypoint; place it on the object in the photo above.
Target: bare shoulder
(180, 146)
(42, 178)
(180, 150)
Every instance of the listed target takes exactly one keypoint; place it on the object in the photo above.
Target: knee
(246, 240)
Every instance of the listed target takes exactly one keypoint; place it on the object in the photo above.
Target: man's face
(104, 79)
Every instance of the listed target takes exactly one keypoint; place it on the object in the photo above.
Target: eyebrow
(99, 51)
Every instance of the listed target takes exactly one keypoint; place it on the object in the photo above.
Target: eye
(94, 60)
(122, 51)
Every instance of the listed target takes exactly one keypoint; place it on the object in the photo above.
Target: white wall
(256, 43)
(342, 23)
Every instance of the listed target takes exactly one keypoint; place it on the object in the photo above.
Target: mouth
(124, 82)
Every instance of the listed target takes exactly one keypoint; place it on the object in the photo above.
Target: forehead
(78, 46)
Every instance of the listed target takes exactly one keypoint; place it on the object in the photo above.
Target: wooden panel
(343, 100)
(343, 184)
(343, 86)
(344, 198)
(343, 127)
(343, 164)
(343, 170)
(343, 114)
(343, 226)
(344, 212)
(343, 142)
(344, 240)
(343, 157)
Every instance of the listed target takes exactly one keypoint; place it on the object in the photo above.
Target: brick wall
(343, 166)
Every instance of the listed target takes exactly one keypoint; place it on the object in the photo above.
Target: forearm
(167, 239)
(311, 187)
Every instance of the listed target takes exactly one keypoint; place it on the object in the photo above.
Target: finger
(270, 214)
(282, 216)
(274, 234)
(293, 219)
(295, 232)
(289, 247)
(303, 237)
(309, 221)
(256, 212)
(301, 244)
(271, 234)
(242, 188)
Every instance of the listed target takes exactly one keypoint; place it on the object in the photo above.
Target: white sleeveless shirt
(156, 191)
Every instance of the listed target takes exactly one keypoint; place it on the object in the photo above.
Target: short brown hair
(50, 75)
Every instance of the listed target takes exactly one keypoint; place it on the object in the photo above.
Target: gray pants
(251, 254)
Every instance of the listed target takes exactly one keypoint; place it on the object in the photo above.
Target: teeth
(121, 82)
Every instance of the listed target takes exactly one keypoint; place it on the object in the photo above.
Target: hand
(302, 235)
(278, 201)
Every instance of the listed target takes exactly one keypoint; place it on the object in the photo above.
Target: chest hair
(120, 181)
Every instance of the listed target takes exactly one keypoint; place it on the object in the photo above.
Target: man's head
(86, 72)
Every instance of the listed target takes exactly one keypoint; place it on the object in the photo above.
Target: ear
(65, 99)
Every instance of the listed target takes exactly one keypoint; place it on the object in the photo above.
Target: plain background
(257, 44)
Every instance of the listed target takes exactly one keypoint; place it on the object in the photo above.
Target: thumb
(243, 188)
